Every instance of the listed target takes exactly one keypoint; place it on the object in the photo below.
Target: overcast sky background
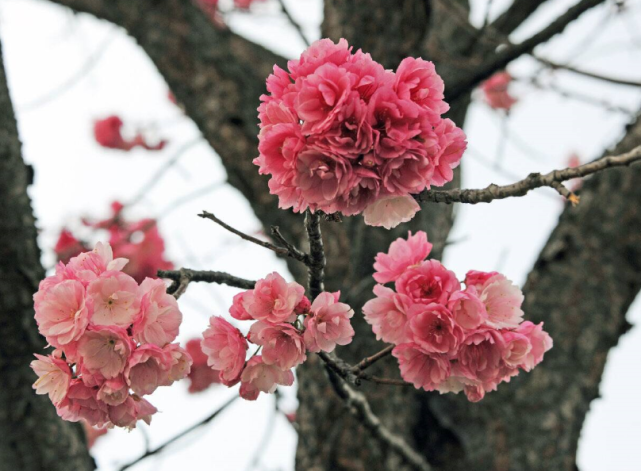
(67, 70)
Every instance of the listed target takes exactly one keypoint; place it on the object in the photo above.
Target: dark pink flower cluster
(201, 375)
(277, 307)
(108, 133)
(112, 340)
(138, 241)
(496, 91)
(447, 338)
(339, 133)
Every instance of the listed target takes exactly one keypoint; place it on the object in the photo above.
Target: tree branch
(534, 180)
(369, 361)
(557, 66)
(502, 58)
(242, 235)
(358, 405)
(184, 276)
(515, 15)
(293, 22)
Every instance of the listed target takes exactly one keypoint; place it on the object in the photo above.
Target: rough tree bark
(33, 438)
(218, 76)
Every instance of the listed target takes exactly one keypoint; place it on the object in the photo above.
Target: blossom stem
(316, 263)
(288, 250)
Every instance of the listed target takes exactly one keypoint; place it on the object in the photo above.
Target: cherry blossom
(447, 338)
(108, 133)
(282, 344)
(259, 377)
(201, 376)
(159, 318)
(496, 91)
(328, 325)
(54, 377)
(402, 254)
(105, 350)
(225, 348)
(111, 337)
(273, 299)
(339, 133)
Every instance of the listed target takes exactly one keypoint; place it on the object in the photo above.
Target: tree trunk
(33, 437)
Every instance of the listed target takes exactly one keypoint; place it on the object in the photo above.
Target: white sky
(45, 47)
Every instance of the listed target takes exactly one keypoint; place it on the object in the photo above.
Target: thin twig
(286, 251)
(294, 251)
(293, 22)
(157, 450)
(369, 361)
(534, 180)
(181, 278)
(316, 263)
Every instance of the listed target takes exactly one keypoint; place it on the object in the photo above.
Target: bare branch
(205, 421)
(358, 405)
(573, 95)
(503, 57)
(340, 367)
(534, 180)
(242, 235)
(369, 361)
(184, 276)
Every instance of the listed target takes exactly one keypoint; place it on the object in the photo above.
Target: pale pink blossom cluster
(112, 340)
(496, 91)
(447, 338)
(287, 327)
(339, 133)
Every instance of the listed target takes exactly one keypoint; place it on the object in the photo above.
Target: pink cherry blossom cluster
(447, 338)
(108, 133)
(339, 133)
(138, 241)
(112, 340)
(277, 308)
(496, 91)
